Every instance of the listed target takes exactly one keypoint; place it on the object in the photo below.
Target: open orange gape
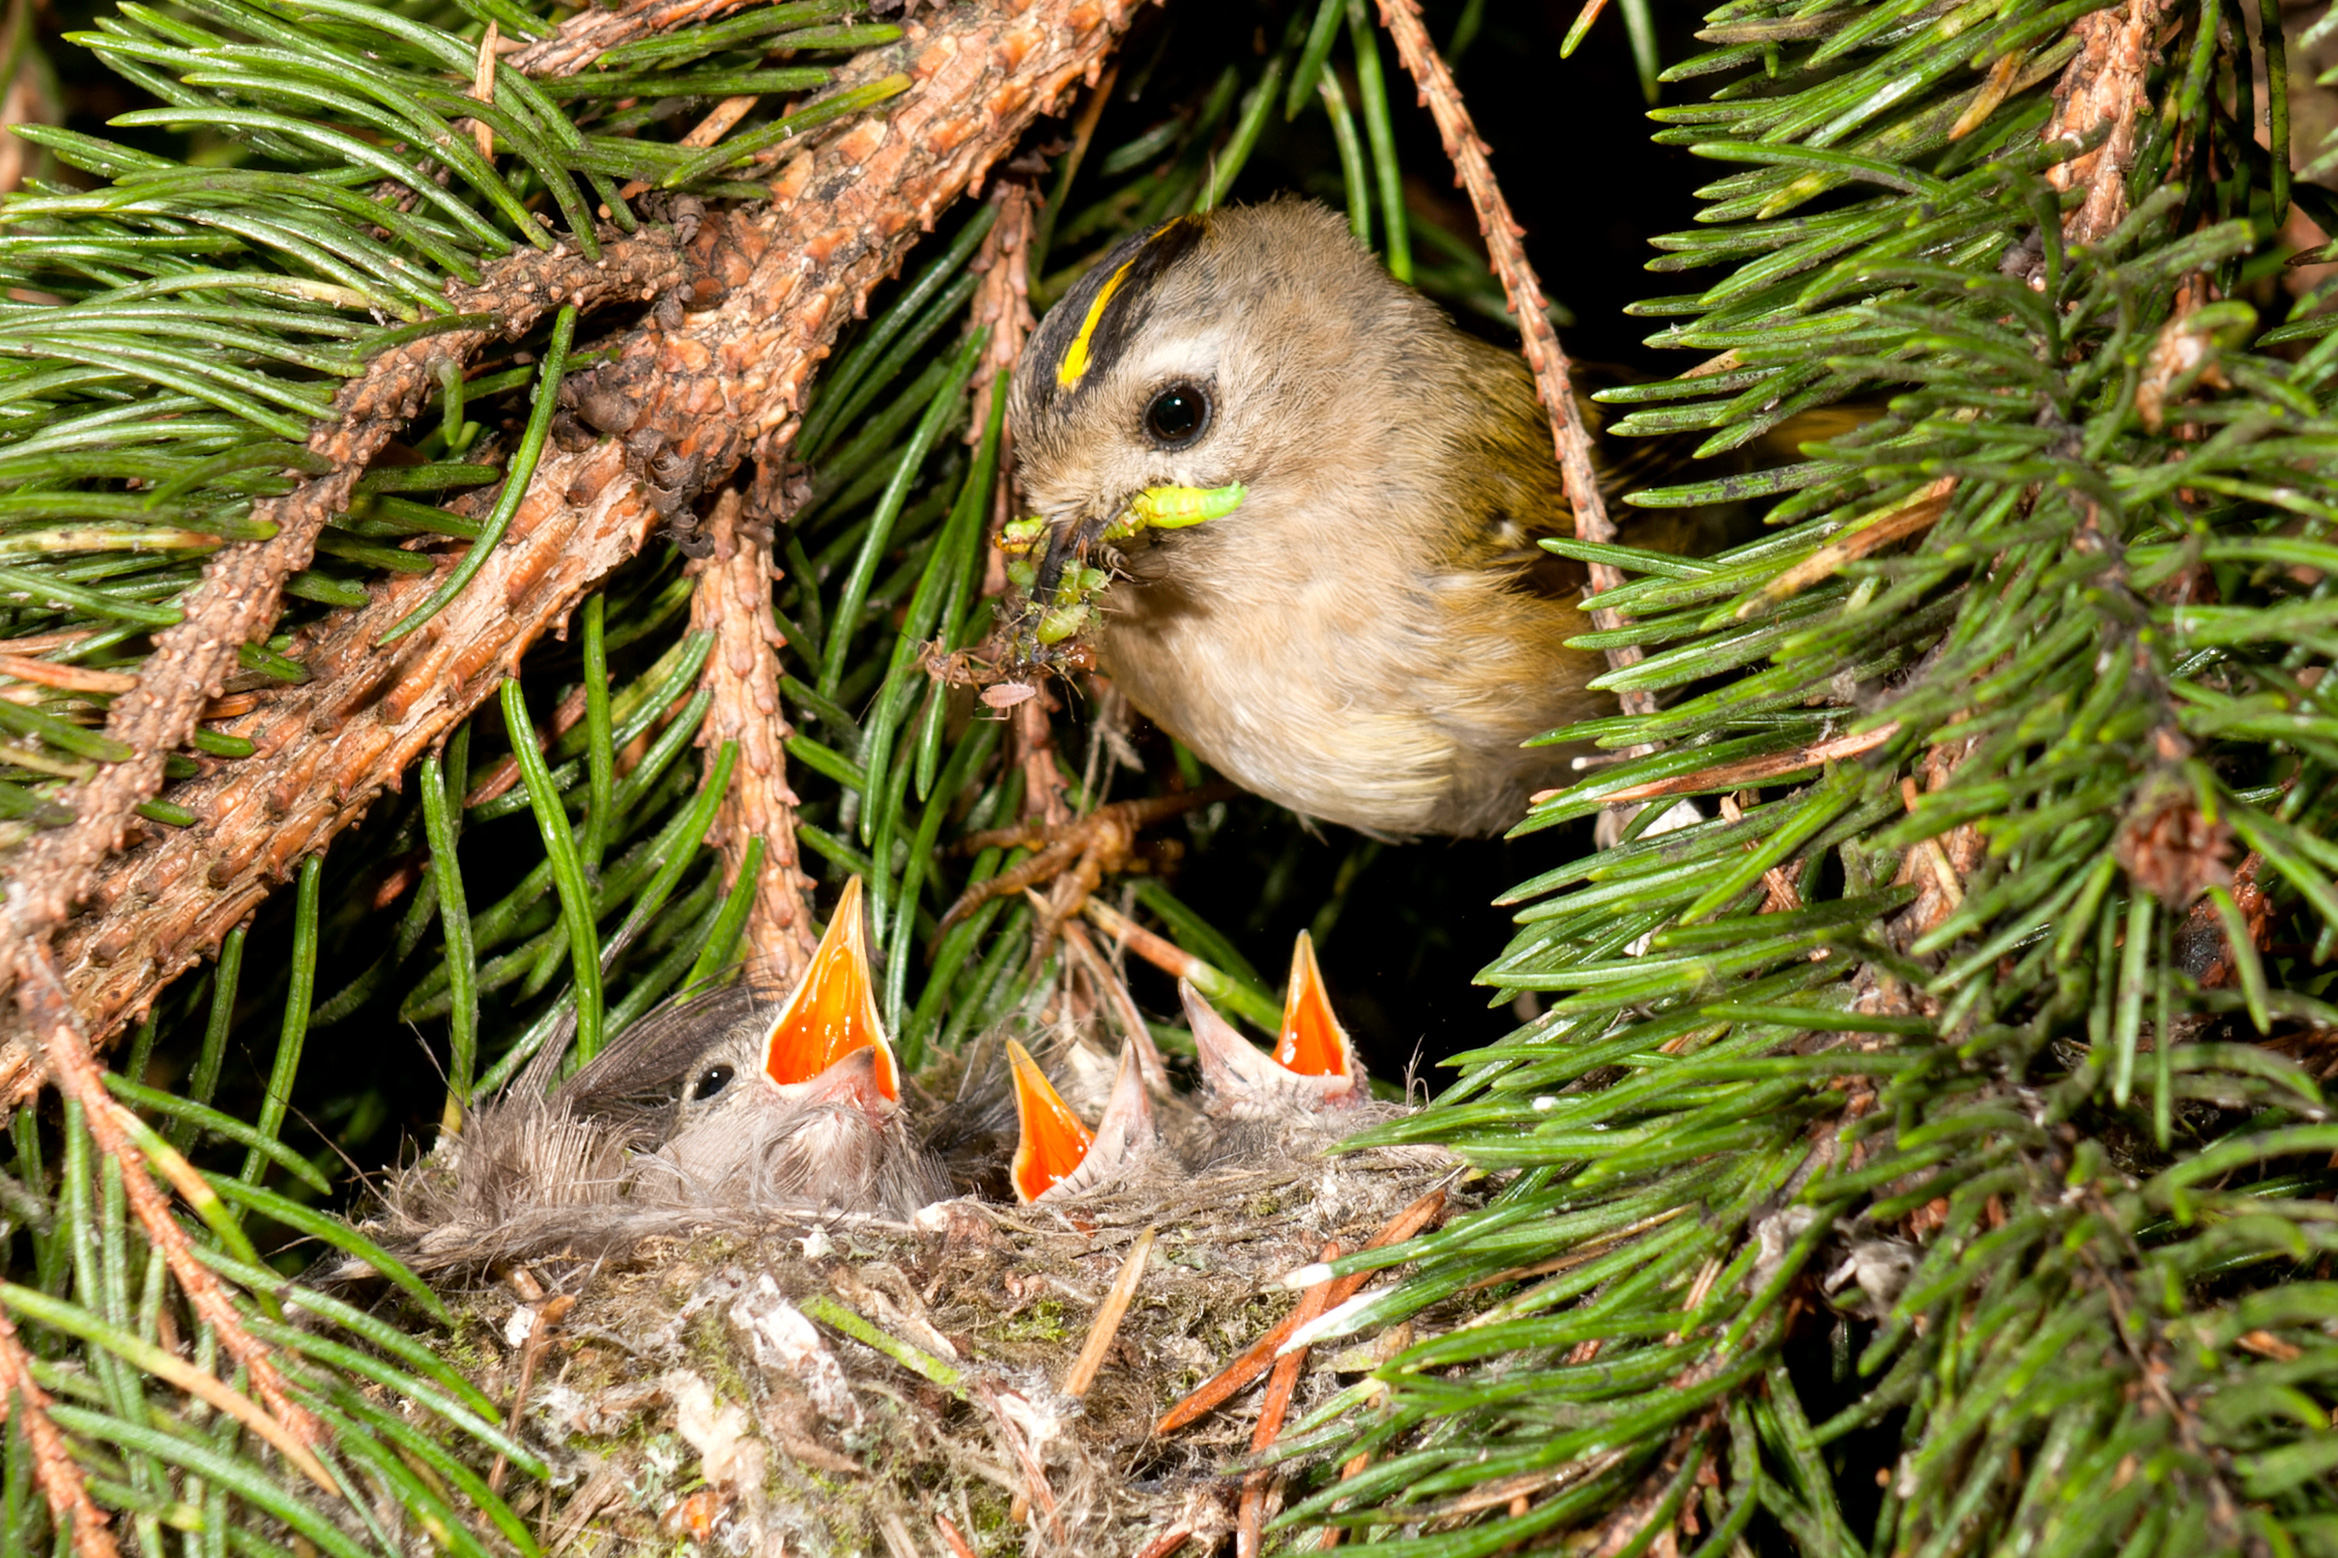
(1312, 1042)
(833, 1013)
(1312, 1069)
(1313, 1066)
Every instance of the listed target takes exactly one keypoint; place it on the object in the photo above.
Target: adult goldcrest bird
(1321, 501)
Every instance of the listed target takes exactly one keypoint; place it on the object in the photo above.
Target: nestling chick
(1312, 1071)
(709, 1109)
(1256, 1106)
(1340, 603)
(797, 1104)
(1056, 1156)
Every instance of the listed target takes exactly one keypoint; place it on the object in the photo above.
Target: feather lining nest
(710, 1343)
(764, 1381)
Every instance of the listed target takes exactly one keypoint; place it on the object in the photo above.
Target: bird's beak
(832, 1017)
(1232, 1071)
(1057, 1155)
(859, 1080)
(1312, 1042)
(1068, 542)
(1126, 1132)
(1148, 508)
(1051, 1142)
(1313, 1065)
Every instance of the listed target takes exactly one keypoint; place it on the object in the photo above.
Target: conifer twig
(1275, 1405)
(692, 396)
(1260, 1355)
(329, 746)
(2101, 91)
(1537, 339)
(1106, 1325)
(1755, 770)
(53, 1470)
(66, 1058)
(733, 602)
(1002, 300)
(2103, 86)
(240, 593)
(695, 397)
(586, 36)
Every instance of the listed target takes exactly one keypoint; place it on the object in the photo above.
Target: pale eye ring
(1177, 415)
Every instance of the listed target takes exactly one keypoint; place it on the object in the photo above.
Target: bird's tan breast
(1343, 682)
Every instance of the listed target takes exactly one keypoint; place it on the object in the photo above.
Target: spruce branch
(694, 398)
(692, 391)
(2097, 103)
(732, 601)
(1964, 960)
(2102, 93)
(578, 42)
(327, 748)
(241, 592)
(66, 1058)
(53, 1469)
(1002, 304)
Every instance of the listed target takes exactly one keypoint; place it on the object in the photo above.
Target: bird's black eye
(1177, 415)
(710, 1082)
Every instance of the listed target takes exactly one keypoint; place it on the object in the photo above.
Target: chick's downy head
(802, 1103)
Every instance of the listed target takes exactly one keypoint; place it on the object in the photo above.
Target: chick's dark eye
(1178, 414)
(710, 1082)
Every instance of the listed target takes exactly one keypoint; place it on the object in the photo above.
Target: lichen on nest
(833, 1383)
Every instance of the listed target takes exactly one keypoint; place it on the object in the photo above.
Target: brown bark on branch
(241, 591)
(733, 602)
(1002, 303)
(2104, 84)
(329, 747)
(694, 397)
(585, 37)
(53, 1468)
(1002, 299)
(691, 397)
(65, 1052)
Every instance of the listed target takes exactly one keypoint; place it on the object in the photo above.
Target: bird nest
(948, 1384)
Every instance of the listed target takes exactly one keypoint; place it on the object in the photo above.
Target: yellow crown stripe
(1074, 366)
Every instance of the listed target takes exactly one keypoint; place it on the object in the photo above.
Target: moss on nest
(707, 1392)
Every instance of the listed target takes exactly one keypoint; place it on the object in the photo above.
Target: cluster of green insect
(1062, 607)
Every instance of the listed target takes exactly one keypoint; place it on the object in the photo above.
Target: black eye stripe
(1139, 262)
